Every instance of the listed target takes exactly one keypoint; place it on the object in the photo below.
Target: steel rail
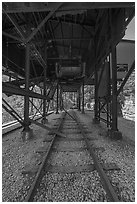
(104, 179)
(42, 168)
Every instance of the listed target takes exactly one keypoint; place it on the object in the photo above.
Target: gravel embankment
(121, 153)
(17, 156)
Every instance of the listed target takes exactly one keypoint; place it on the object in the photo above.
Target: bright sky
(130, 32)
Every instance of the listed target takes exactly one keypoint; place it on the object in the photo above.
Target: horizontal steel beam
(10, 89)
(23, 37)
(20, 7)
(11, 36)
(12, 114)
(43, 22)
(22, 81)
(75, 39)
(11, 74)
(12, 111)
(18, 28)
(69, 22)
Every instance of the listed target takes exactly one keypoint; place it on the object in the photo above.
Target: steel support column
(27, 132)
(114, 133)
(57, 108)
(83, 97)
(114, 90)
(79, 100)
(95, 120)
(44, 119)
(60, 99)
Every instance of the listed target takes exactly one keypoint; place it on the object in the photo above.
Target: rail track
(64, 158)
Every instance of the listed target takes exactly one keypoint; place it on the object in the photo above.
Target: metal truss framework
(99, 36)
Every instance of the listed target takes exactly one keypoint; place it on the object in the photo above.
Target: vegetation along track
(70, 170)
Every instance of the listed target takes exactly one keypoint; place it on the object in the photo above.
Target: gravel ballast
(17, 155)
(69, 187)
(75, 187)
(120, 152)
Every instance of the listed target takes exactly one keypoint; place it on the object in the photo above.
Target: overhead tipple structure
(60, 47)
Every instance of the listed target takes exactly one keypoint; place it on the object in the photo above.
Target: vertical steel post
(95, 120)
(57, 108)
(109, 95)
(79, 99)
(52, 105)
(32, 110)
(27, 132)
(114, 90)
(44, 119)
(83, 96)
(99, 106)
(107, 116)
(26, 98)
(60, 98)
(48, 106)
(114, 133)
